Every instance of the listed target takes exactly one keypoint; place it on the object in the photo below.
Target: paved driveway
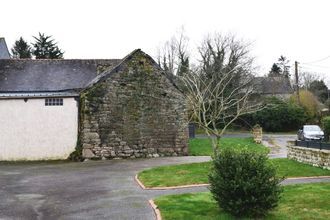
(278, 143)
(88, 190)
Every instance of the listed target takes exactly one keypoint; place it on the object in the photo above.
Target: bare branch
(219, 90)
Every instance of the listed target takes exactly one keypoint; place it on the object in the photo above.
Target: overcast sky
(298, 29)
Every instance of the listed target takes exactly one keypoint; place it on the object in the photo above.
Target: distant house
(273, 86)
(4, 53)
(114, 108)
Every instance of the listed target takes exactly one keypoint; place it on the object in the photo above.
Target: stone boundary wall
(315, 157)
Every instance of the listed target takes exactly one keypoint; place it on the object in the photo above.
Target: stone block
(88, 153)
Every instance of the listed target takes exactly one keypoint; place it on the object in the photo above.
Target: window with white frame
(53, 101)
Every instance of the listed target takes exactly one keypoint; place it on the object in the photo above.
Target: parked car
(310, 132)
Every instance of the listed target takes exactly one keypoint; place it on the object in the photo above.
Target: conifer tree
(45, 48)
(21, 49)
(275, 71)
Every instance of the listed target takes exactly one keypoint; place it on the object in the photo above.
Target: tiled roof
(273, 85)
(27, 75)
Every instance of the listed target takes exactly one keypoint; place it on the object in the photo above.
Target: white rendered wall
(32, 131)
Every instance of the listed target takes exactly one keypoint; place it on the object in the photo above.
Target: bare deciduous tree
(173, 57)
(283, 63)
(306, 78)
(223, 53)
(219, 90)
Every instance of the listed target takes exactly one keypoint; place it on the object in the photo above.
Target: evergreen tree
(275, 71)
(281, 68)
(21, 49)
(46, 48)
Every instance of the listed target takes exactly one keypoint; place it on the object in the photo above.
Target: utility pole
(297, 80)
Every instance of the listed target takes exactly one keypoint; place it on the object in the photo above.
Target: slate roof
(26, 75)
(4, 53)
(272, 85)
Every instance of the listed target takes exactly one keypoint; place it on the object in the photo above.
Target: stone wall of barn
(135, 112)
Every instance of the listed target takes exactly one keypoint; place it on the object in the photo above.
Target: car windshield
(312, 128)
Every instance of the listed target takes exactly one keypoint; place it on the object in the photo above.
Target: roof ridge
(39, 60)
(116, 68)
(108, 72)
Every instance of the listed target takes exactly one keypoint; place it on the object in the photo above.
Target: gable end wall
(135, 112)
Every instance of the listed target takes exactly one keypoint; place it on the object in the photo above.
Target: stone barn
(133, 110)
(105, 109)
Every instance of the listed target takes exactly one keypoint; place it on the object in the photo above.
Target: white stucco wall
(32, 131)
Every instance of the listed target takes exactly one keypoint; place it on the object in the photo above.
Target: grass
(291, 168)
(305, 201)
(176, 175)
(240, 131)
(203, 147)
(197, 173)
(228, 131)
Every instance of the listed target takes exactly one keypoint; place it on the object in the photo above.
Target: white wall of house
(32, 131)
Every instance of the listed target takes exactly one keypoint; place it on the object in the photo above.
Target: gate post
(257, 133)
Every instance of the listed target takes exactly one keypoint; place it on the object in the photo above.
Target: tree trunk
(216, 144)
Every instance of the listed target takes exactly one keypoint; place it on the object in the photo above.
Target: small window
(53, 101)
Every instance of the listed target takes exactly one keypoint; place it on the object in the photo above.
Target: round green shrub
(244, 184)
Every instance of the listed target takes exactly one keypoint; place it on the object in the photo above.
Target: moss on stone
(77, 154)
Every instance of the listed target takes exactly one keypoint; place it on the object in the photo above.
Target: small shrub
(326, 127)
(244, 184)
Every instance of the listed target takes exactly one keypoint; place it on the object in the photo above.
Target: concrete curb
(206, 184)
(167, 187)
(308, 177)
(139, 182)
(155, 209)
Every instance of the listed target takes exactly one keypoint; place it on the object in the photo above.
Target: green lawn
(305, 201)
(176, 175)
(240, 131)
(195, 173)
(203, 147)
(291, 168)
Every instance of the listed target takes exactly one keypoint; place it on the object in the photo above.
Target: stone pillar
(257, 133)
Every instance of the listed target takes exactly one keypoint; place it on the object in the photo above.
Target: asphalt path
(87, 190)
